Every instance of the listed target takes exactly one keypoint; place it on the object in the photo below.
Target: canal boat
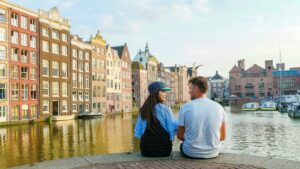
(294, 111)
(90, 115)
(252, 106)
(268, 106)
(63, 117)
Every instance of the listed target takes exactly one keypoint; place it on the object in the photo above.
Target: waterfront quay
(135, 160)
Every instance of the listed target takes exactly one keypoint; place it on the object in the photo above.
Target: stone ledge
(232, 159)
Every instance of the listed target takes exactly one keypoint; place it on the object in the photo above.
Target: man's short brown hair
(200, 82)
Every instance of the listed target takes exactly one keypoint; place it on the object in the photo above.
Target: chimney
(241, 64)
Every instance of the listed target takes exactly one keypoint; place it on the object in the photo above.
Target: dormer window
(141, 59)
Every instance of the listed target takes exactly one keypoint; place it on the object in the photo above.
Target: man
(201, 123)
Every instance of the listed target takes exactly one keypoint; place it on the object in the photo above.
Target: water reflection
(25, 144)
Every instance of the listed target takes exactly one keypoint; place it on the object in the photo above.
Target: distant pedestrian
(201, 123)
(156, 126)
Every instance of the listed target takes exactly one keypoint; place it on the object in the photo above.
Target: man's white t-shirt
(202, 119)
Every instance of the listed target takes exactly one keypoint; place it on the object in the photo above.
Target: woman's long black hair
(147, 111)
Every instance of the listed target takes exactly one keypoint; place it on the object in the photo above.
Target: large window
(80, 54)
(87, 81)
(2, 52)
(2, 71)
(74, 95)
(64, 105)
(64, 86)
(24, 56)
(87, 55)
(74, 77)
(46, 88)
(87, 67)
(80, 80)
(15, 91)
(55, 35)
(24, 91)
(15, 37)
(33, 111)
(74, 53)
(2, 34)
(64, 50)
(80, 66)
(14, 54)
(55, 69)
(33, 41)
(74, 64)
(80, 96)
(24, 39)
(55, 48)
(15, 72)
(14, 19)
(33, 25)
(64, 37)
(87, 95)
(64, 70)
(33, 58)
(45, 67)
(2, 91)
(24, 22)
(3, 111)
(45, 45)
(33, 92)
(55, 88)
(46, 106)
(24, 72)
(2, 15)
(33, 74)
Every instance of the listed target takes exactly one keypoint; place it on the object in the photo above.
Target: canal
(255, 133)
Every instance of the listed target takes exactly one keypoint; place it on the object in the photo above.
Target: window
(55, 89)
(14, 56)
(45, 32)
(15, 37)
(2, 71)
(15, 91)
(33, 58)
(46, 106)
(74, 64)
(24, 22)
(64, 37)
(55, 35)
(24, 39)
(14, 19)
(2, 15)
(45, 67)
(24, 111)
(80, 66)
(64, 105)
(2, 52)
(3, 111)
(80, 96)
(87, 95)
(33, 25)
(87, 81)
(74, 108)
(24, 91)
(33, 74)
(55, 48)
(74, 95)
(55, 69)
(64, 87)
(33, 111)
(87, 107)
(87, 67)
(87, 55)
(24, 72)
(33, 41)
(64, 50)
(74, 77)
(15, 72)
(33, 92)
(2, 34)
(64, 70)
(74, 53)
(80, 80)
(2, 91)
(46, 88)
(24, 56)
(80, 54)
(45, 46)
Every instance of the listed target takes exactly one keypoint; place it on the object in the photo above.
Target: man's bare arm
(223, 132)
(180, 133)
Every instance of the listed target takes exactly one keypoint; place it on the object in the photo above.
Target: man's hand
(180, 133)
(223, 132)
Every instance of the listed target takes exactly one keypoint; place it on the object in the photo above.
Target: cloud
(106, 21)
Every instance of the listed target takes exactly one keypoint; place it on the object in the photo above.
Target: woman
(156, 126)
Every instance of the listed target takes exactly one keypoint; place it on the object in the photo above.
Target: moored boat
(252, 106)
(294, 111)
(90, 115)
(63, 117)
(268, 106)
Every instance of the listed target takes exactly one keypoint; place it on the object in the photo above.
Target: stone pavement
(135, 160)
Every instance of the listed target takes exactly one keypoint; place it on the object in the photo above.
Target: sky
(211, 33)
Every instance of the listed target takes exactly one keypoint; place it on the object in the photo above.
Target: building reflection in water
(25, 144)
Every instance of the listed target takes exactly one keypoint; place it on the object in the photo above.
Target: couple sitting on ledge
(200, 125)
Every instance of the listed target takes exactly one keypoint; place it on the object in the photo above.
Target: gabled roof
(119, 49)
(255, 69)
(137, 66)
(235, 69)
(153, 58)
(217, 76)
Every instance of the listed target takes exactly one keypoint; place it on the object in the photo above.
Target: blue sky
(214, 33)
